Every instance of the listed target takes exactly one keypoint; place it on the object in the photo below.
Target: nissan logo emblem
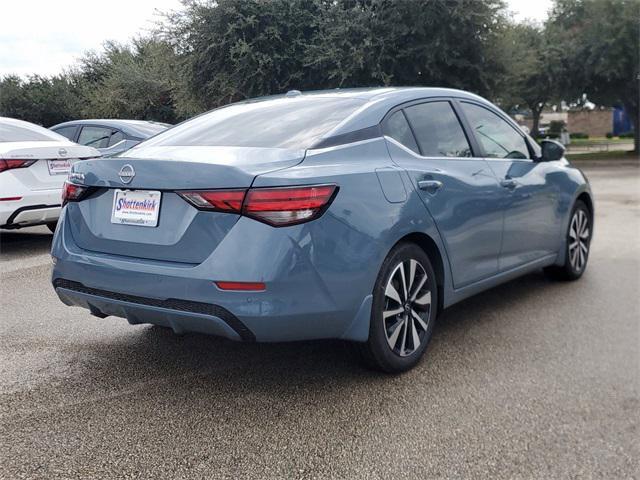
(126, 173)
(62, 152)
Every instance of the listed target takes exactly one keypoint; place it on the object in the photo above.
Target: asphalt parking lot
(533, 379)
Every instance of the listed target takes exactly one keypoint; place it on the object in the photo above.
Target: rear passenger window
(438, 130)
(69, 132)
(97, 137)
(116, 137)
(397, 128)
(498, 138)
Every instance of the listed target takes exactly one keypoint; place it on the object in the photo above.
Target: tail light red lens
(288, 205)
(280, 206)
(219, 200)
(11, 163)
(72, 192)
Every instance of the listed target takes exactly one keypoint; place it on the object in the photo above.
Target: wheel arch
(588, 201)
(584, 195)
(430, 247)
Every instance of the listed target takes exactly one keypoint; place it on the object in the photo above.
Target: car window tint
(68, 132)
(97, 137)
(498, 138)
(146, 129)
(18, 131)
(295, 123)
(438, 130)
(116, 137)
(396, 127)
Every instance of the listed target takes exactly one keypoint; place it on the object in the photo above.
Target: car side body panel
(365, 223)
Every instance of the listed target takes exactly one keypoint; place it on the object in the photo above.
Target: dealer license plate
(136, 207)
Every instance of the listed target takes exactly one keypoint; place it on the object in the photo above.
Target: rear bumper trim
(11, 220)
(177, 305)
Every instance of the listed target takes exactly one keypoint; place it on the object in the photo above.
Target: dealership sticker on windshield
(59, 167)
(136, 207)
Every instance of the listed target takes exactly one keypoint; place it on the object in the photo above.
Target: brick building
(595, 123)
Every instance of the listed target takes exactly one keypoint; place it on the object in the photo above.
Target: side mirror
(551, 150)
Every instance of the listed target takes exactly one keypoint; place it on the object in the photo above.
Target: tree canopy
(599, 49)
(210, 53)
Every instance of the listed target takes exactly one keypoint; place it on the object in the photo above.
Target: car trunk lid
(183, 233)
(53, 161)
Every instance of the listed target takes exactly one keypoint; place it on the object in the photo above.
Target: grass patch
(597, 140)
(611, 155)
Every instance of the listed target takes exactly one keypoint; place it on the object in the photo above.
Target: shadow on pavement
(154, 355)
(26, 241)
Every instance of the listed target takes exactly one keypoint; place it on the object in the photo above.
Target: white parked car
(34, 163)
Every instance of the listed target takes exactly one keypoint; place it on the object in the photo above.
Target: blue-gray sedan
(351, 214)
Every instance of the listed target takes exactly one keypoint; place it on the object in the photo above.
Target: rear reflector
(10, 164)
(10, 199)
(280, 206)
(242, 286)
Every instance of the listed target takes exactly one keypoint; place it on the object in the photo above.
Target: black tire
(378, 351)
(574, 267)
(52, 226)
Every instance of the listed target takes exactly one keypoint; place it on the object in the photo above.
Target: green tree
(408, 42)
(136, 81)
(599, 46)
(532, 70)
(237, 49)
(45, 101)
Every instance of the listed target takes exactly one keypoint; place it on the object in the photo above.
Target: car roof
(32, 127)
(138, 128)
(377, 101)
(374, 93)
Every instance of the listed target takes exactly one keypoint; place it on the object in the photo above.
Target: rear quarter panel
(347, 246)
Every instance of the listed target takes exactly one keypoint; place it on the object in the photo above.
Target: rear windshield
(16, 131)
(148, 129)
(294, 123)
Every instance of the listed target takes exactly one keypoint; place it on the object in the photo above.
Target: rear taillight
(219, 200)
(11, 163)
(72, 192)
(280, 206)
(289, 205)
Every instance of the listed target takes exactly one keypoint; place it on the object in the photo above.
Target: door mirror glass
(552, 150)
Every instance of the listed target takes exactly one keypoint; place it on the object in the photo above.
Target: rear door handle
(431, 186)
(509, 183)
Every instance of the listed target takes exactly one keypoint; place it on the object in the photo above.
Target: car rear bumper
(300, 302)
(32, 208)
(179, 315)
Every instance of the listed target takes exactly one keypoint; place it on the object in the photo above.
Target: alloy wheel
(407, 307)
(579, 240)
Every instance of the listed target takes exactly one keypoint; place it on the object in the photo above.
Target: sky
(44, 36)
